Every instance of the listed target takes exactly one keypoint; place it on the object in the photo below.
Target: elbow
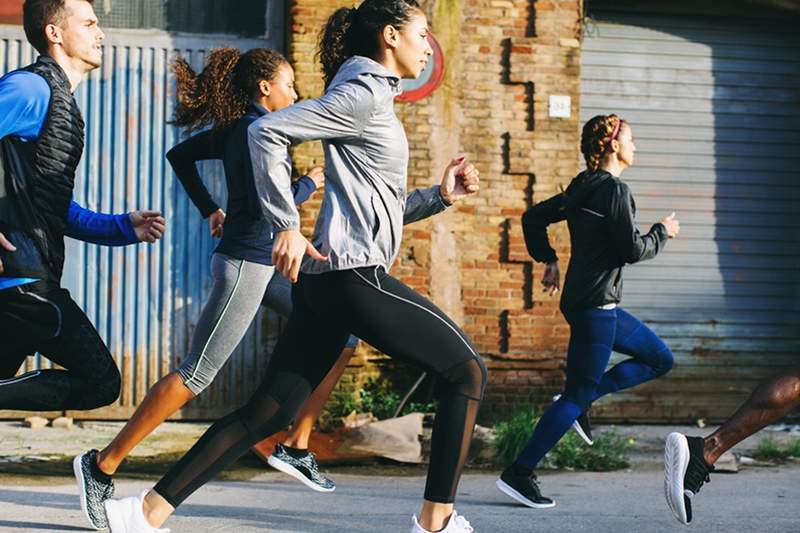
(173, 157)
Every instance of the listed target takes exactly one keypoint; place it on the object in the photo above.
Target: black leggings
(51, 323)
(327, 308)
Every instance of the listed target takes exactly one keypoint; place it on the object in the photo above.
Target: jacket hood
(359, 66)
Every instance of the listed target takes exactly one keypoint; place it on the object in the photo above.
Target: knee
(102, 393)
(196, 375)
(778, 393)
(110, 392)
(665, 362)
(468, 378)
(274, 405)
(580, 392)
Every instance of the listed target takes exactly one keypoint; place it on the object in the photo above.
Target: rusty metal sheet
(145, 300)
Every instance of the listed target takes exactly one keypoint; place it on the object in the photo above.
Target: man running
(41, 142)
(689, 460)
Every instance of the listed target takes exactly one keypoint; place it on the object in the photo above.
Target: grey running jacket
(366, 159)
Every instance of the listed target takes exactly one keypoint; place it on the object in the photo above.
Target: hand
(288, 250)
(460, 180)
(148, 225)
(6, 245)
(672, 225)
(317, 176)
(551, 280)
(215, 222)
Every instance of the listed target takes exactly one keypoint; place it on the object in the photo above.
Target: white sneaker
(126, 516)
(456, 524)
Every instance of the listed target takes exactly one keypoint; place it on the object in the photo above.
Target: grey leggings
(239, 288)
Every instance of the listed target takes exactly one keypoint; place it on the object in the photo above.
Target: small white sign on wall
(560, 106)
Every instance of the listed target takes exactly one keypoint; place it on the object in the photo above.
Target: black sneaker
(685, 471)
(304, 469)
(581, 426)
(94, 488)
(523, 486)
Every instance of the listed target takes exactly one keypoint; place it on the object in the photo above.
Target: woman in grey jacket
(344, 285)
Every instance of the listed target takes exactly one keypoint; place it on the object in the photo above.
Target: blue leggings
(594, 333)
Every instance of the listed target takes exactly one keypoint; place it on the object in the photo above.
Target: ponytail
(352, 31)
(220, 94)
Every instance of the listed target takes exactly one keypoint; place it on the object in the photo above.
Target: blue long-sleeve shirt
(24, 102)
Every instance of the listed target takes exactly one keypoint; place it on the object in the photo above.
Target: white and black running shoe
(127, 516)
(582, 426)
(523, 486)
(93, 487)
(304, 469)
(685, 471)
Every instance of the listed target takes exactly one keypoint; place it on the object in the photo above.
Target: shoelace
(463, 523)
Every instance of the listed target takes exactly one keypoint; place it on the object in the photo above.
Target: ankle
(297, 453)
(104, 465)
(711, 450)
(433, 526)
(435, 516)
(295, 443)
(155, 513)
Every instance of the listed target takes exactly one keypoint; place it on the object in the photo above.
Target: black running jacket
(599, 210)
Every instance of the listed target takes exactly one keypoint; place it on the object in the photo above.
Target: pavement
(754, 500)
(37, 492)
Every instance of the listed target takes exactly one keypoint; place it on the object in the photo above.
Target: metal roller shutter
(714, 103)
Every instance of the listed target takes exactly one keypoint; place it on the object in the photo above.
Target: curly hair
(219, 95)
(352, 31)
(596, 138)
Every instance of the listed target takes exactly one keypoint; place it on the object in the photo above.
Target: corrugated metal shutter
(715, 109)
(145, 300)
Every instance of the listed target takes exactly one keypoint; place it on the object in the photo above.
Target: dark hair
(595, 138)
(36, 14)
(219, 95)
(354, 31)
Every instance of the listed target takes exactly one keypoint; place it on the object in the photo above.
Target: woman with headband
(599, 209)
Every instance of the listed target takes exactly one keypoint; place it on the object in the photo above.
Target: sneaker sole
(676, 461)
(579, 430)
(506, 489)
(78, 471)
(288, 469)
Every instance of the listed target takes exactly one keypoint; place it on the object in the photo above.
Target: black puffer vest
(37, 181)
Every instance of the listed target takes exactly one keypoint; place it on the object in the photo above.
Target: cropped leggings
(240, 286)
(327, 307)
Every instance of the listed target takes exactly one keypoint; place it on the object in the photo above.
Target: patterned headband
(614, 132)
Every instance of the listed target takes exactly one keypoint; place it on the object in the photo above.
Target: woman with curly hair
(599, 209)
(231, 92)
(344, 285)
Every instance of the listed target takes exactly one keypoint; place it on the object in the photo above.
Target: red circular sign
(429, 80)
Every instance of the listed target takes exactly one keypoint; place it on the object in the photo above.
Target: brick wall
(504, 59)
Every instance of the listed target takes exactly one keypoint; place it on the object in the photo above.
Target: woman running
(233, 91)
(365, 52)
(599, 210)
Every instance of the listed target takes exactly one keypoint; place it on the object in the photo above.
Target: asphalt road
(756, 499)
